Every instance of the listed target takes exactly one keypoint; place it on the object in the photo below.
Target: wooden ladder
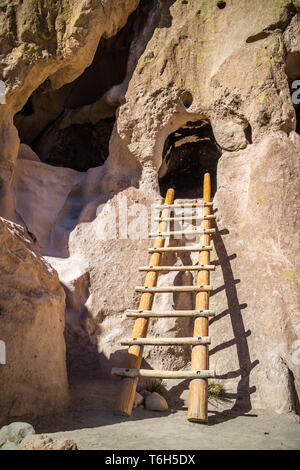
(199, 373)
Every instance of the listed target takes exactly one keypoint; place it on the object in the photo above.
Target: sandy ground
(91, 423)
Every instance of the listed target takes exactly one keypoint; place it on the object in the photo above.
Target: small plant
(156, 385)
(215, 390)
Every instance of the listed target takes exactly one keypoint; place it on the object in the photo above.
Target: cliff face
(189, 72)
(43, 39)
(33, 379)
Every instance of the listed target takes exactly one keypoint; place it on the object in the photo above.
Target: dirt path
(90, 422)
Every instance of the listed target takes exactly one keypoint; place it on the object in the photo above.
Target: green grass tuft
(156, 385)
(215, 390)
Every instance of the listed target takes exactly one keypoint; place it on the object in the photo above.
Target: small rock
(3, 435)
(138, 400)
(14, 433)
(156, 402)
(44, 442)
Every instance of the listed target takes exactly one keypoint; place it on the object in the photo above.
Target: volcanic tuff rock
(42, 39)
(33, 381)
(191, 61)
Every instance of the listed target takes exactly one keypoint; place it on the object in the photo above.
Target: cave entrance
(188, 153)
(71, 126)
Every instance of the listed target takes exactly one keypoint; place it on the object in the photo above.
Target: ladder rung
(184, 218)
(182, 232)
(208, 267)
(184, 205)
(170, 313)
(163, 374)
(166, 341)
(180, 249)
(154, 290)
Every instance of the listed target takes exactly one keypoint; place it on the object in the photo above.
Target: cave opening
(71, 126)
(188, 153)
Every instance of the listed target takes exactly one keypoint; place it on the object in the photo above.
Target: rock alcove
(71, 126)
(188, 153)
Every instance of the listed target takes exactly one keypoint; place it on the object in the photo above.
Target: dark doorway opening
(188, 153)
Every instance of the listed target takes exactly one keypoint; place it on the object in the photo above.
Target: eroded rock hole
(71, 126)
(187, 99)
(248, 134)
(221, 5)
(188, 153)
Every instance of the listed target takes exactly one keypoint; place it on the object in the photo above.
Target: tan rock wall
(34, 380)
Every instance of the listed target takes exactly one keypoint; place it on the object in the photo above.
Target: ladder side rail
(125, 399)
(198, 391)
